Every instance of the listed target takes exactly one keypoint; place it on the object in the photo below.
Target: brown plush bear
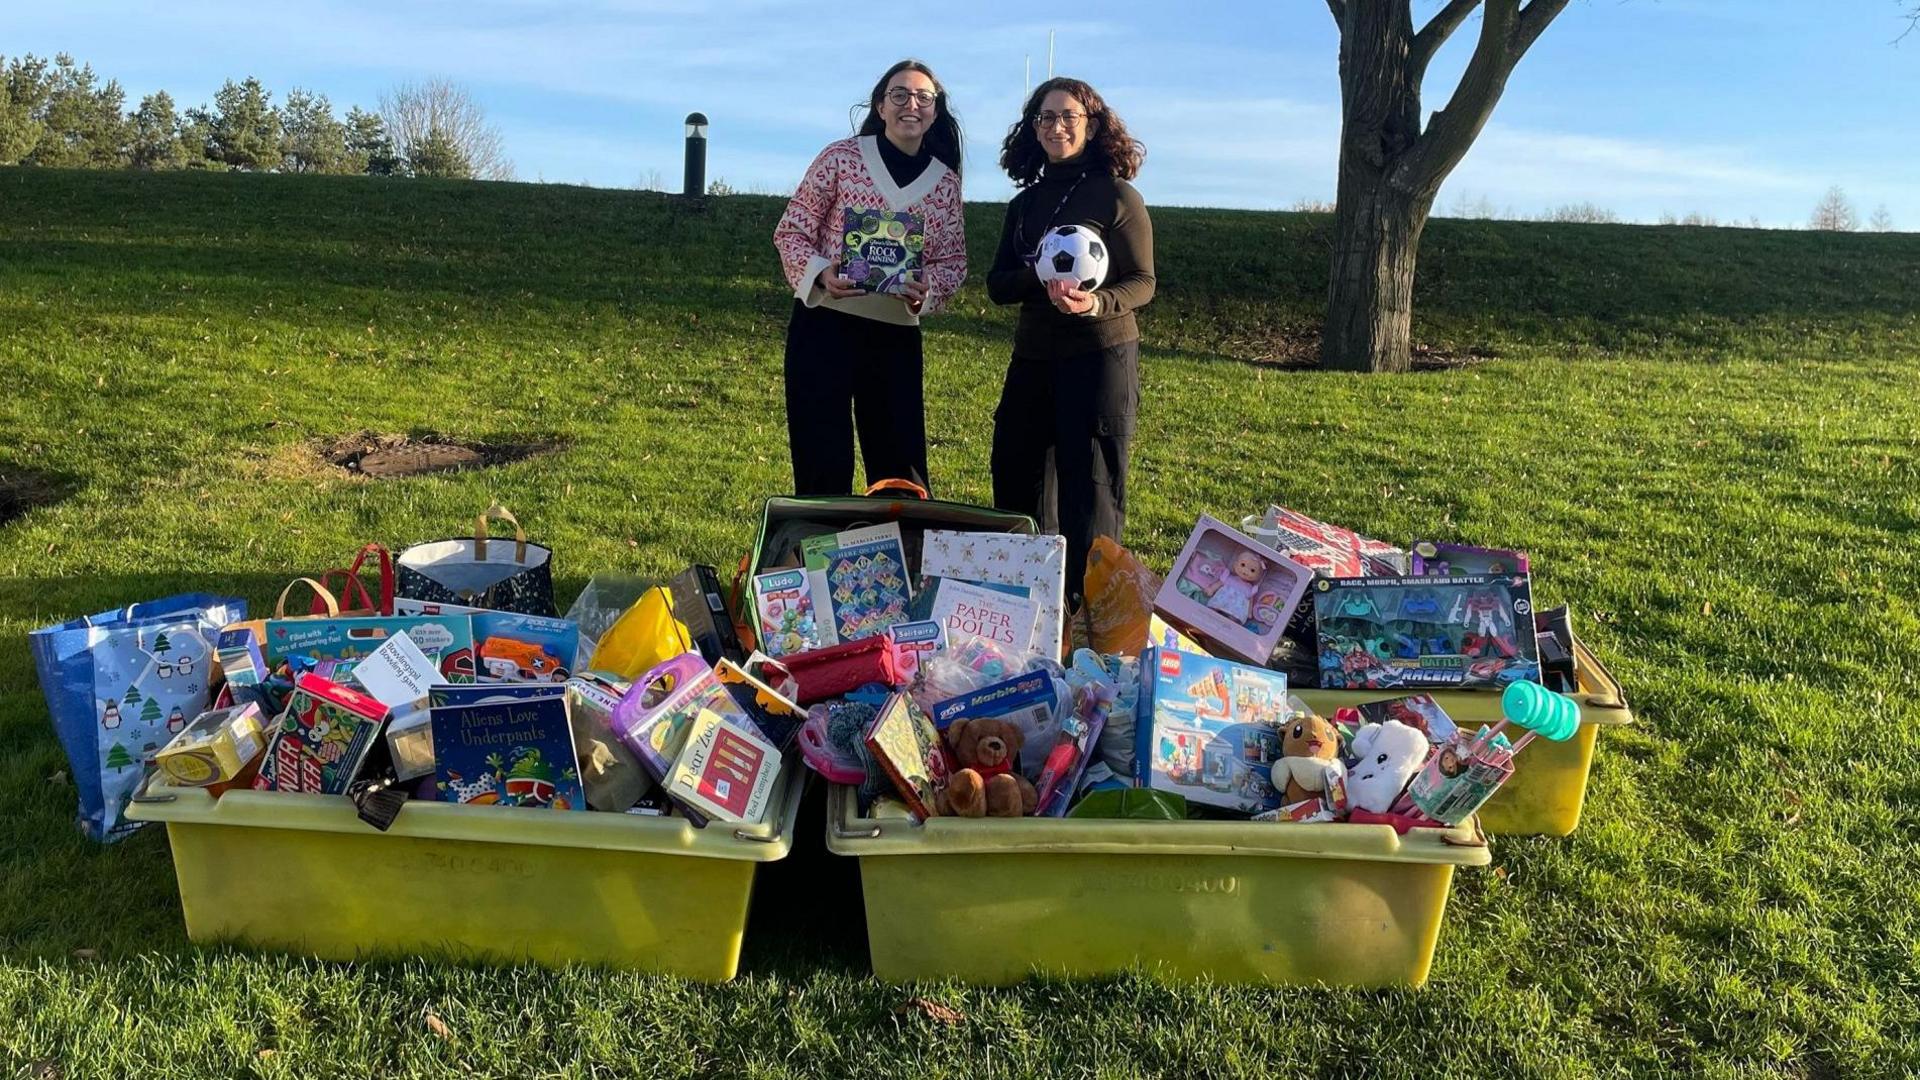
(1308, 746)
(986, 781)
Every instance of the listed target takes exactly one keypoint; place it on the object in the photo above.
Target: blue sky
(1734, 108)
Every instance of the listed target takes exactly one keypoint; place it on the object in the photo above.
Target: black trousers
(845, 373)
(1060, 441)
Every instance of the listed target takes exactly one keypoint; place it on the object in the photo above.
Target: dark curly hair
(1108, 145)
(943, 139)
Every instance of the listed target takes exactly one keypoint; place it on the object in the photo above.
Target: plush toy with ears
(986, 781)
(1386, 756)
(1309, 747)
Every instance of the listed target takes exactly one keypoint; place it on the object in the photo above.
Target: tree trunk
(1390, 170)
(1370, 303)
(1377, 222)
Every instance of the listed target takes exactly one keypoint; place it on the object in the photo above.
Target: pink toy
(1232, 591)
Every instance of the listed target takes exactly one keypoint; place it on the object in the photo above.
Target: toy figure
(1484, 614)
(1232, 595)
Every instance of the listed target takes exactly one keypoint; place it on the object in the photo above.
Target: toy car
(505, 658)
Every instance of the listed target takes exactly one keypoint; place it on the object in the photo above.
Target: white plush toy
(1386, 756)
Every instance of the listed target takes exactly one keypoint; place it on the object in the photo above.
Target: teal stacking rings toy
(1541, 711)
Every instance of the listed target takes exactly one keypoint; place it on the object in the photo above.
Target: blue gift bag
(119, 685)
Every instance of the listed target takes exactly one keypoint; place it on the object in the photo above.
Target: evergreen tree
(134, 697)
(154, 142)
(21, 94)
(196, 140)
(439, 155)
(82, 123)
(369, 146)
(246, 127)
(151, 713)
(118, 758)
(313, 141)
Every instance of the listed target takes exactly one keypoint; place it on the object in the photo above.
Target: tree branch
(1453, 129)
(1437, 31)
(1532, 21)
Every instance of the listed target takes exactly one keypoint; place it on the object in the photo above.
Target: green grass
(1707, 438)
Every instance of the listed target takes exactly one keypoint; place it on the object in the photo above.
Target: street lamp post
(695, 184)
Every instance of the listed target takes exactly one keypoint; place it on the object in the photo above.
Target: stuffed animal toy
(1386, 757)
(985, 781)
(1309, 750)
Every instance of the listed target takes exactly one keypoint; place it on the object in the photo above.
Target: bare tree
(439, 120)
(651, 180)
(1585, 213)
(1881, 221)
(1835, 213)
(1393, 158)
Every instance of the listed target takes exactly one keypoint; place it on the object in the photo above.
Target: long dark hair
(1110, 147)
(943, 138)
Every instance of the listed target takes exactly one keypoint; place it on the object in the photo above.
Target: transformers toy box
(1379, 633)
(1209, 729)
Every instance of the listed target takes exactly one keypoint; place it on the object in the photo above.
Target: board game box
(786, 615)
(1425, 632)
(317, 745)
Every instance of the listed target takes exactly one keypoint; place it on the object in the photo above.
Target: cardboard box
(1209, 729)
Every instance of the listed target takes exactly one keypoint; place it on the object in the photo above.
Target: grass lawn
(1708, 439)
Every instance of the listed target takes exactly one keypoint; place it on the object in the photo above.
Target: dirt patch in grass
(385, 456)
(22, 490)
(1297, 348)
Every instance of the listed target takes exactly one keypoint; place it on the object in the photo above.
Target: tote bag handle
(480, 533)
(319, 590)
(386, 575)
(905, 487)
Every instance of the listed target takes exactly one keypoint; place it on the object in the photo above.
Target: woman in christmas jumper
(853, 357)
(1066, 414)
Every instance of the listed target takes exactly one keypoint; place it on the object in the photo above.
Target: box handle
(855, 834)
(140, 794)
(1609, 694)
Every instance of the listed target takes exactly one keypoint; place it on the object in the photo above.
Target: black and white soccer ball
(1073, 253)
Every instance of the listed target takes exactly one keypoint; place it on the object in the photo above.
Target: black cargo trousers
(1060, 442)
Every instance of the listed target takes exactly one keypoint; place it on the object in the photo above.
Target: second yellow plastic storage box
(303, 873)
(1549, 783)
(990, 900)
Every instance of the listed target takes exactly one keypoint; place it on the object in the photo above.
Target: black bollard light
(695, 185)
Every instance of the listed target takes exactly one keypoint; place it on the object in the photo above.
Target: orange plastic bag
(1119, 598)
(643, 637)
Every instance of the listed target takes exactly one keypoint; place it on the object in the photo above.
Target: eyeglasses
(900, 95)
(1068, 120)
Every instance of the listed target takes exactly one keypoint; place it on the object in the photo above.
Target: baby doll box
(1549, 784)
(788, 519)
(303, 874)
(988, 901)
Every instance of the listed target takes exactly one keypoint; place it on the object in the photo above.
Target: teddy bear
(985, 781)
(1386, 756)
(1309, 750)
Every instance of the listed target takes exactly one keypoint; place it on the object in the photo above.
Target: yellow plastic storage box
(1549, 784)
(990, 900)
(303, 873)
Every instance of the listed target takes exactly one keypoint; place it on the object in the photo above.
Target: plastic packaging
(643, 637)
(1119, 598)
